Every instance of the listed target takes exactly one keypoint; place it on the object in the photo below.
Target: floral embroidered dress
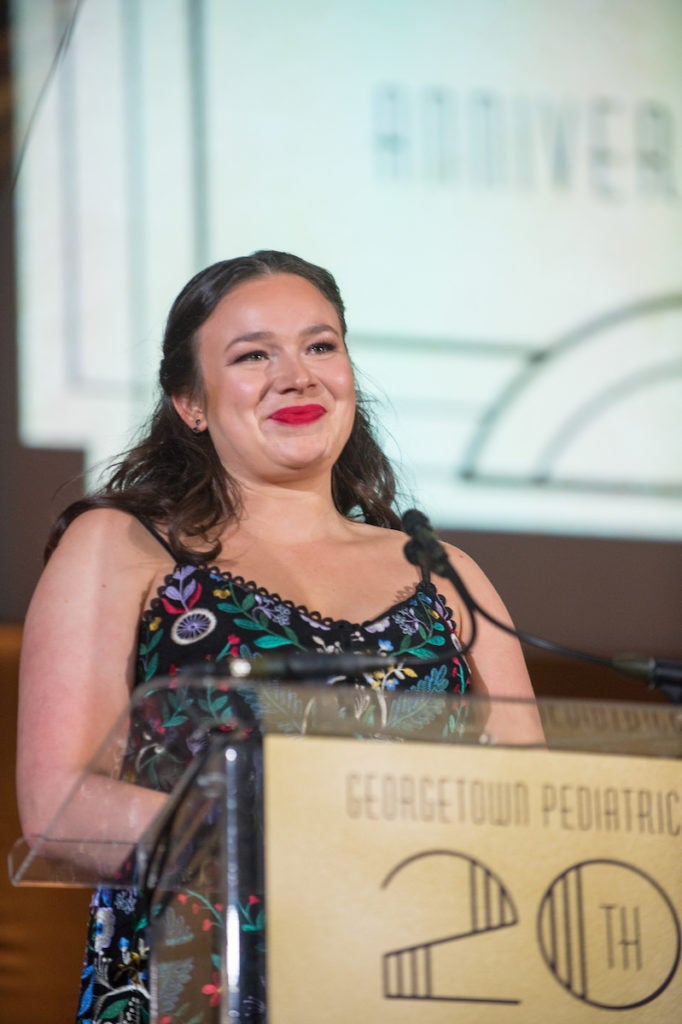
(201, 616)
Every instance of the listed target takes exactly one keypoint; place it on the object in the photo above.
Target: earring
(197, 427)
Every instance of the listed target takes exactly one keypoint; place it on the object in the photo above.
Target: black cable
(425, 549)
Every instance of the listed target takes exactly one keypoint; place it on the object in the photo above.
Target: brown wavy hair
(174, 478)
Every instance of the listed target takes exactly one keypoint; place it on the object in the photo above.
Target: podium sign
(376, 856)
(407, 879)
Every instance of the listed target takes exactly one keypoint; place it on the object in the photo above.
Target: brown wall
(42, 931)
(604, 597)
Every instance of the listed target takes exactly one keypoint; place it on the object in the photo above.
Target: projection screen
(496, 187)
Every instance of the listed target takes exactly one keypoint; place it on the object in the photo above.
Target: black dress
(201, 616)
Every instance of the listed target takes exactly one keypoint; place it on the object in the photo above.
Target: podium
(414, 864)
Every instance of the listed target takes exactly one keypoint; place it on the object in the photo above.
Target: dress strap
(156, 535)
(426, 574)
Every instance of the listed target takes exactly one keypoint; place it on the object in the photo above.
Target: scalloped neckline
(324, 620)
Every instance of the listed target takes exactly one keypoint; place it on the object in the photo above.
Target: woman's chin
(297, 469)
(292, 461)
(304, 453)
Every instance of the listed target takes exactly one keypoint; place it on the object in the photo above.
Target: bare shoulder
(458, 555)
(470, 571)
(107, 547)
(384, 546)
(90, 597)
(377, 535)
(109, 535)
(108, 525)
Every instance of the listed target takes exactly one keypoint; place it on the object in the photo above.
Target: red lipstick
(295, 414)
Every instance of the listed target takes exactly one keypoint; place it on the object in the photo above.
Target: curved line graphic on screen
(579, 417)
(426, 970)
(584, 415)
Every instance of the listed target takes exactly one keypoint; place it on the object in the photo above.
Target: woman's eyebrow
(320, 329)
(255, 336)
(250, 337)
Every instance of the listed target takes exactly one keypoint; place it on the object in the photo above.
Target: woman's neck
(290, 515)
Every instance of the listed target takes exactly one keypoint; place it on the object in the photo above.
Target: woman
(259, 465)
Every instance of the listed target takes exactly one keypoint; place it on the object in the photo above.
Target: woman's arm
(76, 674)
(496, 659)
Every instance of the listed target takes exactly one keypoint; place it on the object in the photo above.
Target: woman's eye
(251, 357)
(323, 346)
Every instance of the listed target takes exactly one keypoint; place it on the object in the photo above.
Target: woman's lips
(295, 414)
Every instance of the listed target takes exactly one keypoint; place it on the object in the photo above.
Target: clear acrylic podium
(421, 778)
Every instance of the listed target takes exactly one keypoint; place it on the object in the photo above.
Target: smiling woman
(278, 395)
(257, 512)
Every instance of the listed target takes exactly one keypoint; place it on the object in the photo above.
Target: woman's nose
(293, 374)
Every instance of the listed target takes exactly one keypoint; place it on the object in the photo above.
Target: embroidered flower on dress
(334, 648)
(104, 928)
(379, 626)
(274, 610)
(125, 900)
(213, 990)
(407, 621)
(193, 626)
(186, 594)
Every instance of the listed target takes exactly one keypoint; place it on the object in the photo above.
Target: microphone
(659, 673)
(426, 550)
(306, 666)
(426, 546)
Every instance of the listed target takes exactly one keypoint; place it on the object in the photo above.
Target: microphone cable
(426, 550)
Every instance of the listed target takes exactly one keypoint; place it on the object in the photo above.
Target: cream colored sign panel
(408, 882)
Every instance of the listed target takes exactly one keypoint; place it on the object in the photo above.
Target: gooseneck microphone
(426, 550)
(300, 666)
